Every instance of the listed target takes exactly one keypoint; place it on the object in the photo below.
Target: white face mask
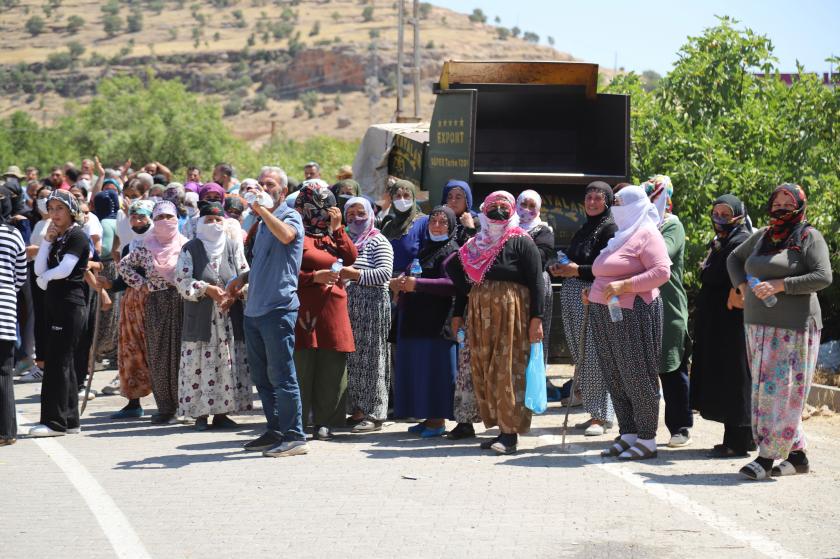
(42, 205)
(210, 232)
(192, 211)
(402, 205)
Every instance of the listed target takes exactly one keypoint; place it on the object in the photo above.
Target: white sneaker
(112, 388)
(91, 394)
(680, 439)
(595, 430)
(35, 374)
(74, 430)
(44, 431)
(288, 448)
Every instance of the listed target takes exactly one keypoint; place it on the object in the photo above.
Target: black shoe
(461, 431)
(488, 443)
(201, 424)
(224, 422)
(162, 418)
(723, 451)
(266, 441)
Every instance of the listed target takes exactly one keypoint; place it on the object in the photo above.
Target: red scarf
(786, 229)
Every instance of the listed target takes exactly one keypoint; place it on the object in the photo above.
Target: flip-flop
(787, 468)
(755, 471)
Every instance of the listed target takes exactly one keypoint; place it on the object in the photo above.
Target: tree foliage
(35, 25)
(715, 126)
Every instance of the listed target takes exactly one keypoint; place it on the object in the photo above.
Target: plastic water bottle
(415, 271)
(461, 336)
(770, 301)
(614, 306)
(337, 266)
(562, 259)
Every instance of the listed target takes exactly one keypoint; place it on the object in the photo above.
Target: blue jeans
(270, 340)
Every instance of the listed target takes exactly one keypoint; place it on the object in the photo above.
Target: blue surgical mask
(438, 238)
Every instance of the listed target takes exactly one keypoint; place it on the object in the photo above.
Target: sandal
(755, 471)
(620, 446)
(723, 451)
(488, 444)
(786, 468)
(501, 448)
(638, 452)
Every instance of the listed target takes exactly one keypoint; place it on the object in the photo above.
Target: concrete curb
(825, 395)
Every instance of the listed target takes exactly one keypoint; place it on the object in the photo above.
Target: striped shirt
(12, 277)
(375, 262)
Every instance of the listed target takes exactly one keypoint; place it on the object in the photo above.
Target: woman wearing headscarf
(499, 271)
(720, 375)
(528, 205)
(457, 195)
(399, 224)
(156, 259)
(106, 204)
(790, 261)
(676, 345)
(323, 336)
(176, 194)
(214, 378)
(585, 246)
(368, 370)
(60, 265)
(426, 361)
(631, 268)
(133, 372)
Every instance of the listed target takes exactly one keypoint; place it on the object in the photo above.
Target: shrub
(75, 24)
(112, 24)
(35, 25)
(477, 16)
(367, 13)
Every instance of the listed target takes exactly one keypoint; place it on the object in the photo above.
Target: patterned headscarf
(313, 203)
(361, 234)
(68, 200)
(212, 208)
(528, 219)
(787, 228)
(660, 190)
(479, 253)
(141, 207)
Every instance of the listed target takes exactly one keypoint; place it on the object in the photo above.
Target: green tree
(239, 19)
(35, 25)
(515, 31)
(367, 13)
(425, 10)
(75, 24)
(477, 16)
(309, 101)
(134, 22)
(502, 33)
(112, 24)
(112, 8)
(75, 49)
(531, 37)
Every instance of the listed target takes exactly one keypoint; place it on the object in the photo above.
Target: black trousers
(59, 389)
(738, 438)
(82, 352)
(8, 422)
(38, 304)
(677, 408)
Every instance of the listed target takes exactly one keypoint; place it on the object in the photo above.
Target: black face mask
(499, 214)
(141, 229)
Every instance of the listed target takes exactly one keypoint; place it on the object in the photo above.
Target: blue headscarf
(106, 204)
(463, 186)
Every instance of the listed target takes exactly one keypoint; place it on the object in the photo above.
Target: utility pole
(414, 69)
(416, 23)
(400, 35)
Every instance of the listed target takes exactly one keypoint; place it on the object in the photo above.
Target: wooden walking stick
(581, 356)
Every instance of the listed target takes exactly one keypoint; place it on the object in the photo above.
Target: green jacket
(674, 300)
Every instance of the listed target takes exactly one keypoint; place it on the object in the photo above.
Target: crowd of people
(344, 311)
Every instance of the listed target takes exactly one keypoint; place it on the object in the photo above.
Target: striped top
(12, 277)
(375, 262)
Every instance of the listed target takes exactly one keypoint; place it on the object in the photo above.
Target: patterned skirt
(590, 380)
(466, 404)
(213, 378)
(107, 340)
(782, 364)
(368, 368)
(164, 315)
(135, 381)
(497, 327)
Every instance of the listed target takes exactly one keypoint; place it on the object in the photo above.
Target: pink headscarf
(165, 242)
(211, 187)
(479, 253)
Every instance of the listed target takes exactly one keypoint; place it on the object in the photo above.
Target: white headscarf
(635, 212)
(525, 220)
(212, 236)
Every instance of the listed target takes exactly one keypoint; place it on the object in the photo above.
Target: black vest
(198, 314)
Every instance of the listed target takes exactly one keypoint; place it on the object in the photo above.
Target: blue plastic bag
(536, 398)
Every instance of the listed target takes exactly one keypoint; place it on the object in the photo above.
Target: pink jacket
(643, 259)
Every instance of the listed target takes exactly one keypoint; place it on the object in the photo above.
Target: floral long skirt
(782, 364)
(497, 327)
(368, 369)
(107, 340)
(466, 404)
(213, 376)
(135, 381)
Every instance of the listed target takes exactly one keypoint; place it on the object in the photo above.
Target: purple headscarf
(211, 187)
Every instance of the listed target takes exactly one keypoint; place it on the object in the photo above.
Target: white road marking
(114, 524)
(723, 524)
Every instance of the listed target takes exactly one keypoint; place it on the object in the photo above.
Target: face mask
(358, 226)
(141, 229)
(191, 211)
(526, 215)
(402, 205)
(165, 229)
(724, 225)
(438, 238)
(42, 205)
(783, 215)
(210, 231)
(499, 214)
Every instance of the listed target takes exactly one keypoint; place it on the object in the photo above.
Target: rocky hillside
(301, 68)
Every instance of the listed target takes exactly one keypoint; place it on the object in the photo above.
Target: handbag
(536, 397)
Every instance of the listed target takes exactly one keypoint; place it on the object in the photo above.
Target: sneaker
(595, 430)
(322, 433)
(367, 426)
(91, 395)
(288, 448)
(683, 438)
(23, 366)
(39, 431)
(35, 374)
(266, 441)
(112, 388)
(74, 430)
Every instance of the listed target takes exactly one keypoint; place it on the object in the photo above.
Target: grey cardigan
(804, 274)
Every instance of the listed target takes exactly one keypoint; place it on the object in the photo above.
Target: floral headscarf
(787, 228)
(141, 207)
(660, 190)
(479, 253)
(313, 203)
(68, 200)
(363, 230)
(528, 219)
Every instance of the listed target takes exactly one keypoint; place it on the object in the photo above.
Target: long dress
(135, 379)
(214, 377)
(720, 373)
(368, 369)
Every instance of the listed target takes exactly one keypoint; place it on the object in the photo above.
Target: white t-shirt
(93, 226)
(124, 231)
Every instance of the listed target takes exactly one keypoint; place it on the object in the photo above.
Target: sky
(646, 34)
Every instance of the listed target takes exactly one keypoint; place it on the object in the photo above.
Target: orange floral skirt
(135, 381)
